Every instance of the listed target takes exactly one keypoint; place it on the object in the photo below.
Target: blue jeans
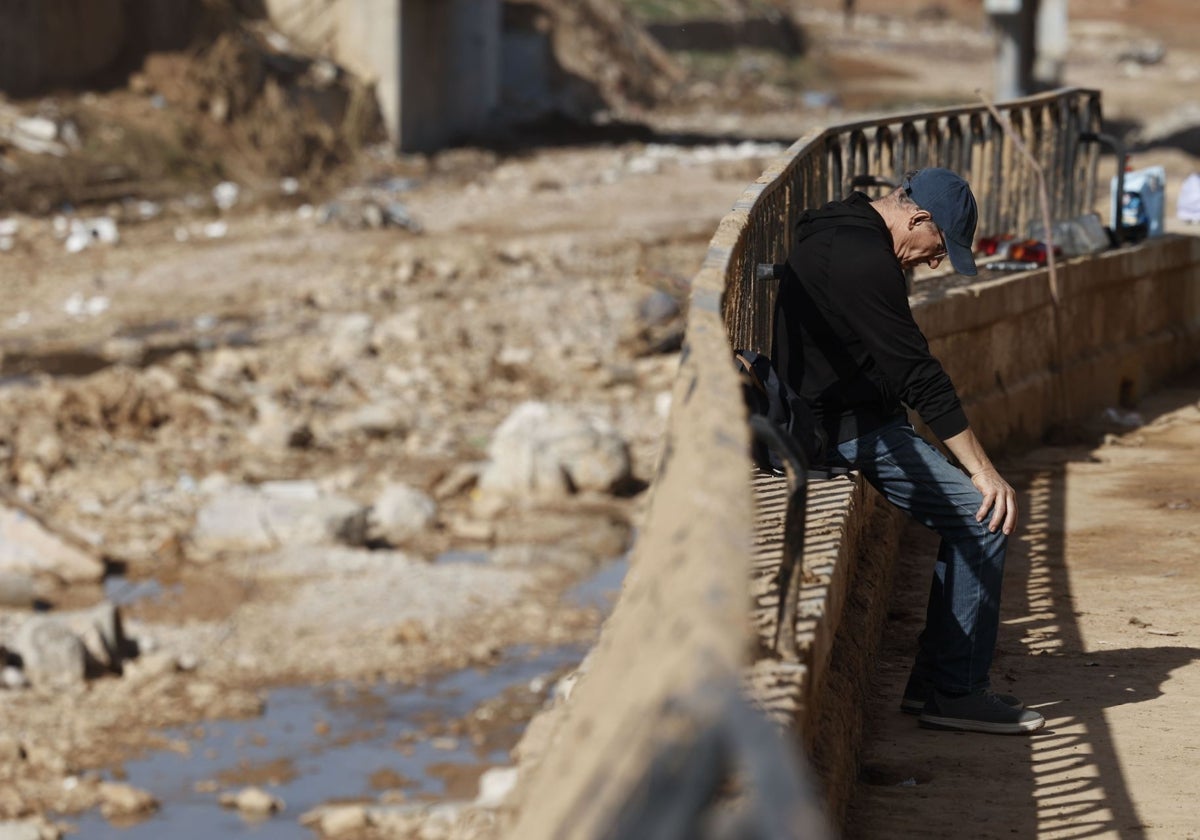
(963, 615)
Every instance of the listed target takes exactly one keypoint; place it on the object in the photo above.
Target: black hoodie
(845, 338)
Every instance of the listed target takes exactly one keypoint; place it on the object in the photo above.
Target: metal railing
(653, 731)
(1058, 128)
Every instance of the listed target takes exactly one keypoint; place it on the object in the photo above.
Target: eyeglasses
(940, 255)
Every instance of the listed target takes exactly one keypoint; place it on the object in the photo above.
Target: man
(846, 341)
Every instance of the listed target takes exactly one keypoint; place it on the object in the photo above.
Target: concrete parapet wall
(1125, 321)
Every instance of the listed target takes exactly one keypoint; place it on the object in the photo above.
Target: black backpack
(783, 426)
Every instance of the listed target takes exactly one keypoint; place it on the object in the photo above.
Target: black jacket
(845, 338)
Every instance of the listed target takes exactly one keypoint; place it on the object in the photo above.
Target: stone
(27, 547)
(247, 519)
(495, 786)
(17, 589)
(400, 513)
(35, 829)
(376, 420)
(100, 630)
(252, 801)
(276, 429)
(542, 452)
(11, 749)
(348, 819)
(52, 655)
(118, 800)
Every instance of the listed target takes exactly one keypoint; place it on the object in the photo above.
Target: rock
(35, 829)
(349, 336)
(542, 452)
(495, 785)
(103, 636)
(377, 420)
(52, 655)
(400, 513)
(13, 677)
(460, 479)
(119, 800)
(275, 428)
(17, 590)
(348, 819)
(249, 519)
(252, 801)
(11, 750)
(27, 547)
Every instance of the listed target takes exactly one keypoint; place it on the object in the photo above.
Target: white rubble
(400, 513)
(542, 452)
(247, 518)
(28, 547)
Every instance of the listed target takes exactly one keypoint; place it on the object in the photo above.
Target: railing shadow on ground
(1066, 781)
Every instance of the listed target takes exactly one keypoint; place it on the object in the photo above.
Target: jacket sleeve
(868, 287)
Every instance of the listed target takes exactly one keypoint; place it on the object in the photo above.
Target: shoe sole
(915, 707)
(987, 727)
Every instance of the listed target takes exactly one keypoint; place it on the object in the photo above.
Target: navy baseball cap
(948, 199)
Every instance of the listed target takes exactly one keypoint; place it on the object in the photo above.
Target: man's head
(934, 217)
(948, 199)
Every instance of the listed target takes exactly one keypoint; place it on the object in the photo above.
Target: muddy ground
(293, 336)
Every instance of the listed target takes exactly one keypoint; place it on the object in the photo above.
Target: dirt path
(1098, 635)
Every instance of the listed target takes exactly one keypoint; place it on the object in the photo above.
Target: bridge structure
(724, 697)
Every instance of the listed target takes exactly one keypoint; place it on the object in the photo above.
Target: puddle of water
(123, 592)
(602, 588)
(474, 558)
(331, 739)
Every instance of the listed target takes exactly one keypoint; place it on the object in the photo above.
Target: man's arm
(998, 495)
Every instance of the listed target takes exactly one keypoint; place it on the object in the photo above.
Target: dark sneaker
(919, 690)
(981, 711)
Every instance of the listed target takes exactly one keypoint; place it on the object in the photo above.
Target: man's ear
(919, 217)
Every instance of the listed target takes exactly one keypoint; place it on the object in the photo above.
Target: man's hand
(998, 497)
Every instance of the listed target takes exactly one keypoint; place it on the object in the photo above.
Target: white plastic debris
(81, 233)
(77, 306)
(289, 186)
(225, 194)
(216, 230)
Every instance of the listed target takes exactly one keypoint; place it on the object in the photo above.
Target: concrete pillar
(450, 70)
(1013, 22)
(436, 64)
(1052, 43)
(368, 41)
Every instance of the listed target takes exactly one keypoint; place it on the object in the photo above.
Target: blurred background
(339, 336)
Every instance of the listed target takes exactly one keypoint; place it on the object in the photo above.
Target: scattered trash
(225, 194)
(289, 186)
(1142, 203)
(1180, 504)
(909, 782)
(1163, 632)
(38, 135)
(1075, 237)
(216, 230)
(1187, 208)
(81, 233)
(77, 306)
